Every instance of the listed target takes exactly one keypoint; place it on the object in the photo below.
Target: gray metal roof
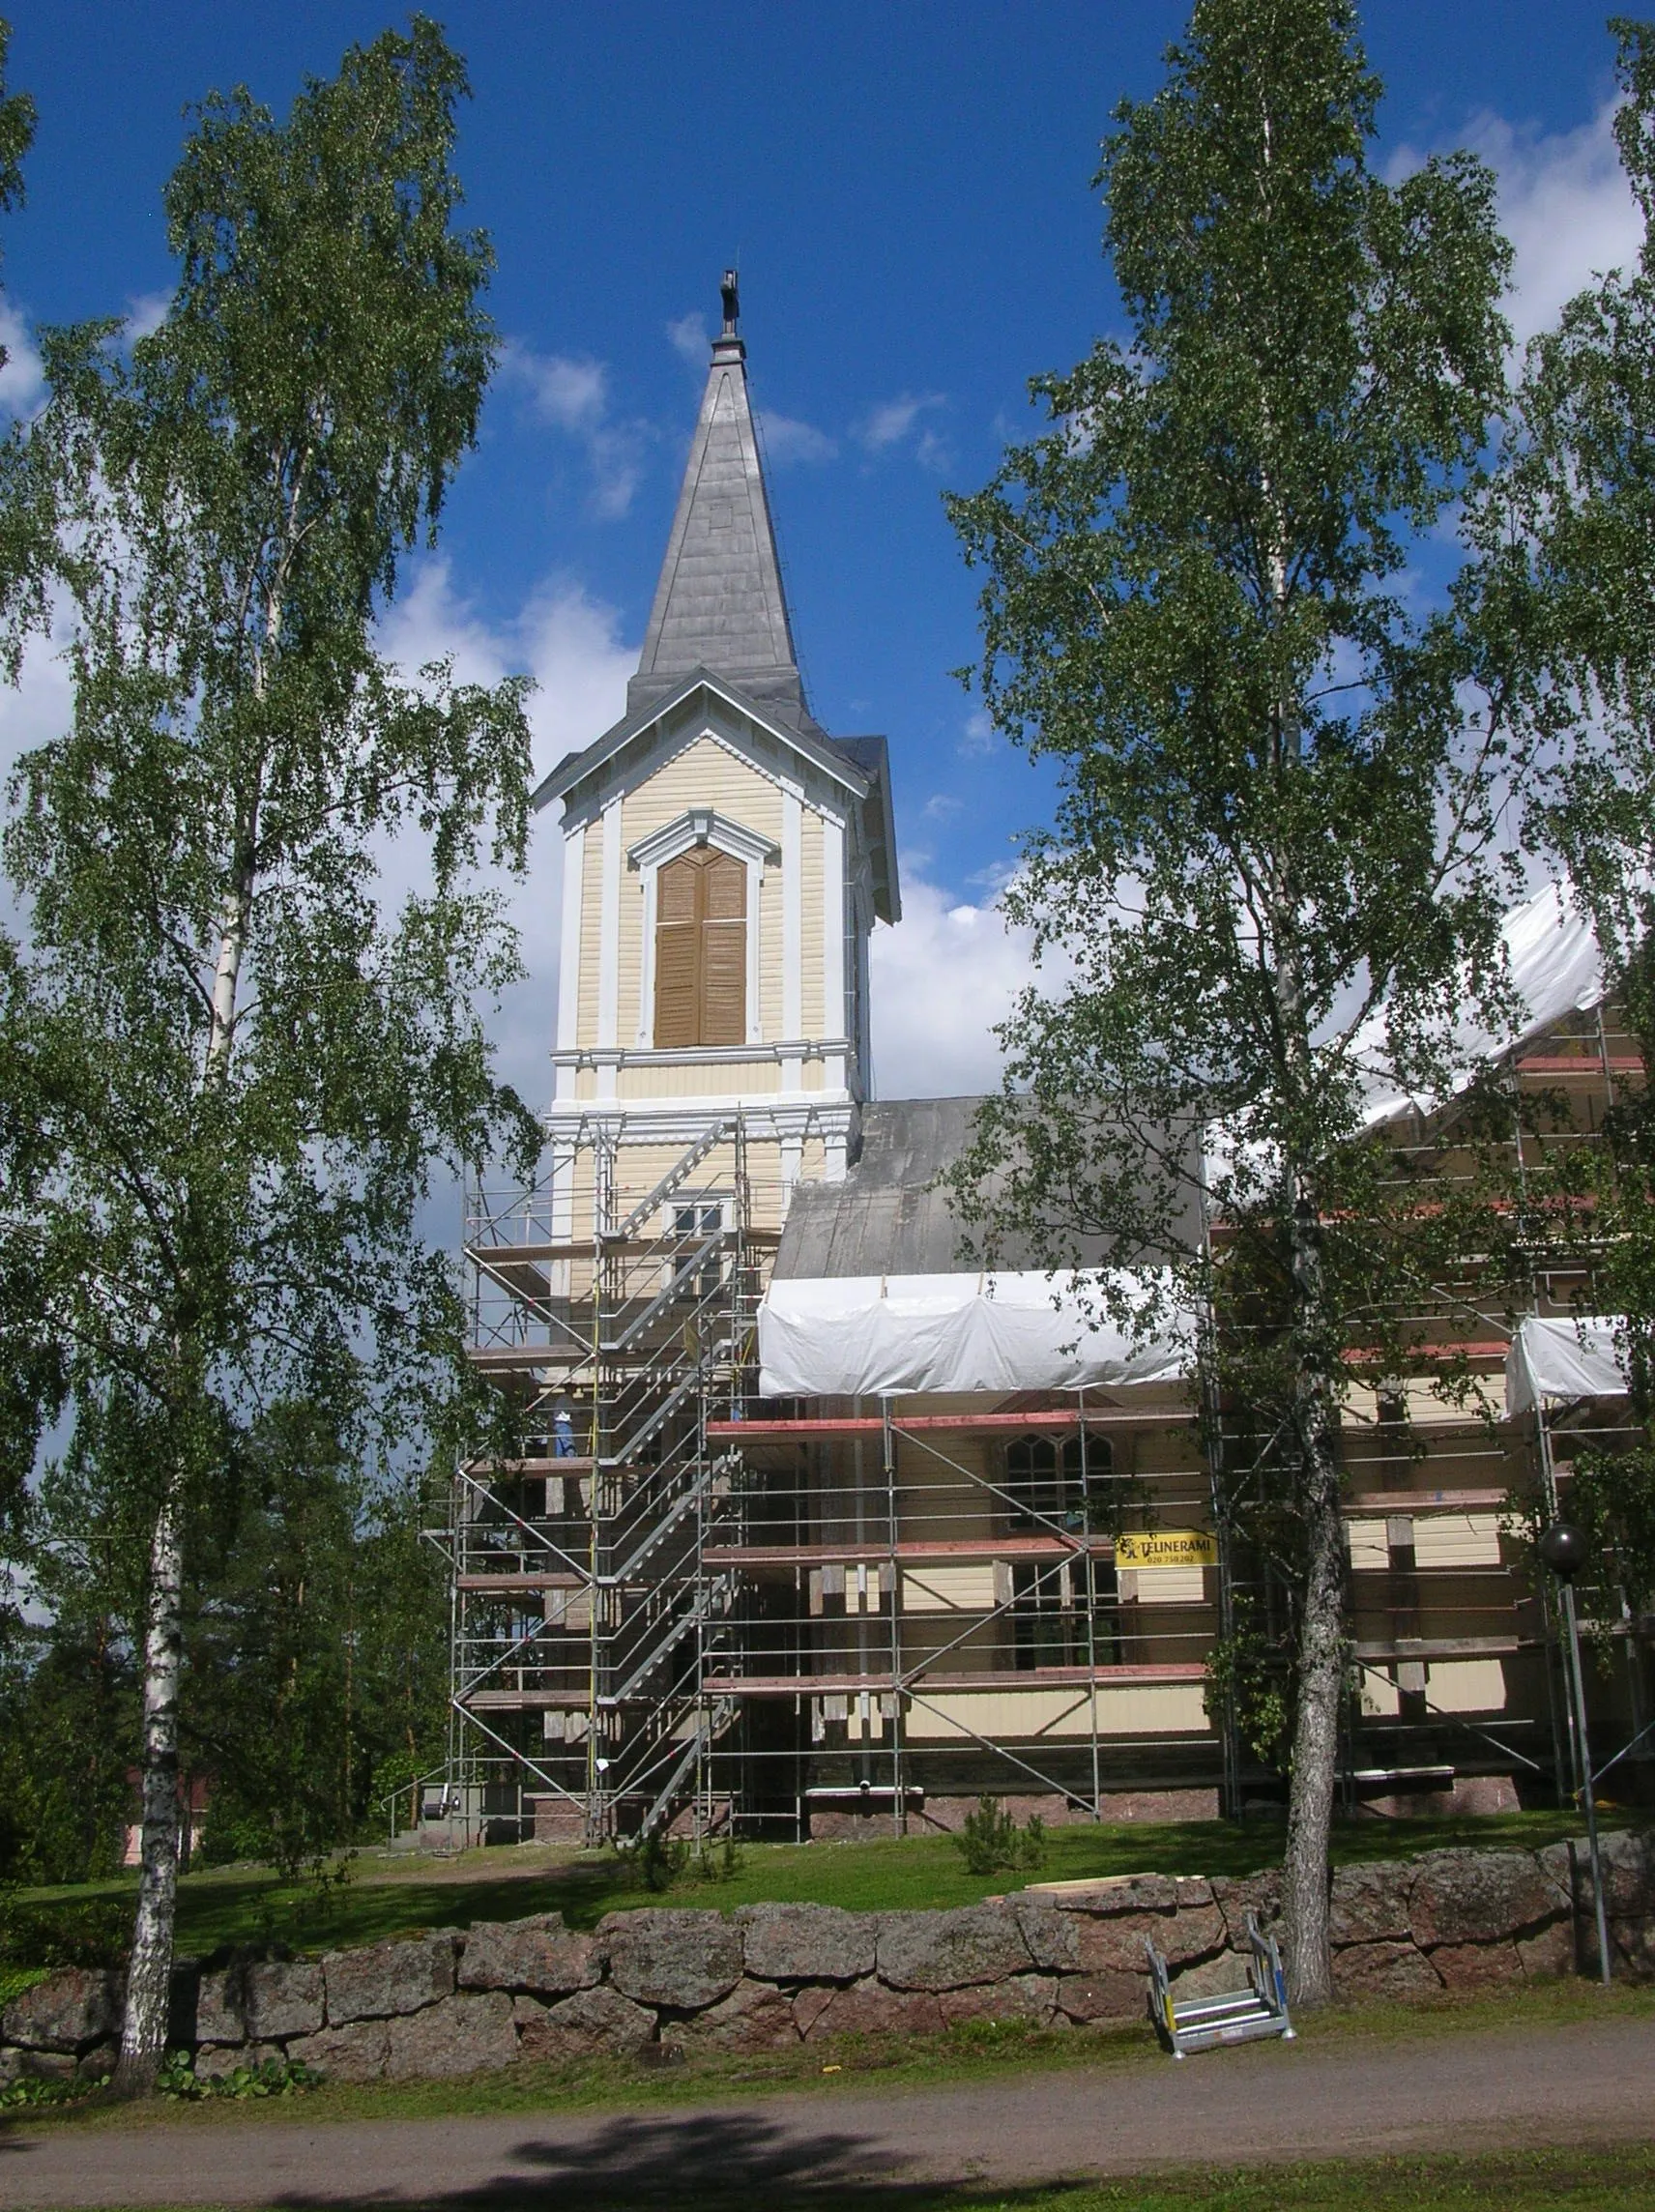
(719, 602)
(884, 1218)
(887, 1218)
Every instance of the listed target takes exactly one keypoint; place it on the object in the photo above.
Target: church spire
(719, 603)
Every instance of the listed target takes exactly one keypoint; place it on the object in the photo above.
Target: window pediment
(702, 826)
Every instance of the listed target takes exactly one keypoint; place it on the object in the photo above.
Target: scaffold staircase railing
(583, 1614)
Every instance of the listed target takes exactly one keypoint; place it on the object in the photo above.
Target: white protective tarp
(1563, 1359)
(1555, 968)
(863, 1336)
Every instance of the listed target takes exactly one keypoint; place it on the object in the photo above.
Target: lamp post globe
(1565, 1548)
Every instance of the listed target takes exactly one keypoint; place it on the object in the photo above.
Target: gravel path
(1576, 2085)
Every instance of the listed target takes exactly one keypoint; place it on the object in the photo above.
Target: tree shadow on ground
(701, 2160)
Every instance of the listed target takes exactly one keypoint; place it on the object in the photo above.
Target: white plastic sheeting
(1563, 1359)
(1556, 968)
(863, 1336)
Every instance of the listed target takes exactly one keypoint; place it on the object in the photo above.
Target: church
(814, 1529)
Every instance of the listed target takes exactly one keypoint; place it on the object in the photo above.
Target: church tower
(724, 860)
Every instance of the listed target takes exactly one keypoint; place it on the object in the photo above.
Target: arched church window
(1049, 1484)
(701, 950)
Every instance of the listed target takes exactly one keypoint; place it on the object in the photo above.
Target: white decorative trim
(832, 926)
(679, 1121)
(570, 949)
(778, 1050)
(829, 764)
(609, 930)
(792, 923)
(699, 826)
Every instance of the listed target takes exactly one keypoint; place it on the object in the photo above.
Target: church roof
(893, 1215)
(719, 602)
(720, 618)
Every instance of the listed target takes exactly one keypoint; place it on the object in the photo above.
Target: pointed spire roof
(719, 603)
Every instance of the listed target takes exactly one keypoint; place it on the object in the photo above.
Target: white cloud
(39, 705)
(979, 738)
(146, 311)
(689, 341)
(786, 440)
(22, 379)
(892, 421)
(1563, 203)
(938, 983)
(933, 451)
(570, 394)
(569, 644)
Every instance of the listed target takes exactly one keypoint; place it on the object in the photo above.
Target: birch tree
(1274, 875)
(247, 1062)
(1567, 533)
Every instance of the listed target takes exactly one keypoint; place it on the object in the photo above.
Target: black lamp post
(1565, 1549)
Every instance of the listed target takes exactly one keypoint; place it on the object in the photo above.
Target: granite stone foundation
(774, 1976)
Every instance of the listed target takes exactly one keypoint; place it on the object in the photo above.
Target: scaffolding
(686, 1607)
(585, 1616)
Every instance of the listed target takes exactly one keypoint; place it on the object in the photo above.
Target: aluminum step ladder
(1244, 2015)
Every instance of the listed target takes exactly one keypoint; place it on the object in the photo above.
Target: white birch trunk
(1321, 1658)
(149, 1976)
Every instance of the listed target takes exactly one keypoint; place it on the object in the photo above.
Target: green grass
(392, 1894)
(1601, 2181)
(1619, 2180)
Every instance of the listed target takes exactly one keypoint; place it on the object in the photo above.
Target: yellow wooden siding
(1382, 1700)
(1370, 1547)
(591, 936)
(1467, 1685)
(770, 955)
(810, 925)
(702, 775)
(698, 1079)
(1128, 1709)
(1457, 1540)
(959, 1588)
(1164, 1586)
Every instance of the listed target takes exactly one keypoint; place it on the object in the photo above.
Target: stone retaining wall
(771, 1976)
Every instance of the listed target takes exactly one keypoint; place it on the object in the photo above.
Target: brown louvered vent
(701, 950)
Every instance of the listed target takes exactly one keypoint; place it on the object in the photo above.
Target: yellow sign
(1166, 1547)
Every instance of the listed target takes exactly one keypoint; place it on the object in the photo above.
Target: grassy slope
(390, 1895)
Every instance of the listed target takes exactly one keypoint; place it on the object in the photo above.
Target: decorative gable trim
(578, 768)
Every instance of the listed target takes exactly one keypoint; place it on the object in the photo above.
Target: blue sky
(907, 191)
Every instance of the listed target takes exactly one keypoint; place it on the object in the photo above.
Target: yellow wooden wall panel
(1467, 1685)
(1457, 1540)
(1370, 1549)
(948, 1589)
(591, 934)
(770, 955)
(810, 924)
(1130, 1708)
